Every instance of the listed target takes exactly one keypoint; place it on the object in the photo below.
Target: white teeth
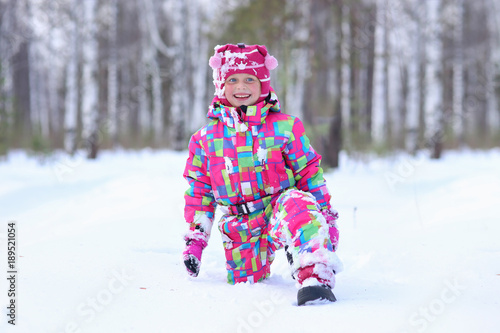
(241, 96)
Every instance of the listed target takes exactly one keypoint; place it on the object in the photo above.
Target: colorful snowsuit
(262, 158)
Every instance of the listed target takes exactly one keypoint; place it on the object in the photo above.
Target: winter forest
(363, 75)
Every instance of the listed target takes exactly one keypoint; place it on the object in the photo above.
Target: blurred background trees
(364, 75)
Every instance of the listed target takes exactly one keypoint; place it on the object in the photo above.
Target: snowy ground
(99, 246)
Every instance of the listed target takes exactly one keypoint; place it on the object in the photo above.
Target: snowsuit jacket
(237, 159)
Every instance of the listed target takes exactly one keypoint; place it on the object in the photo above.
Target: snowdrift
(99, 246)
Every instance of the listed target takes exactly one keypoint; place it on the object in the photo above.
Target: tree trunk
(386, 59)
(381, 78)
(143, 97)
(334, 142)
(113, 74)
(20, 72)
(156, 83)
(198, 46)
(446, 111)
(345, 54)
(21, 91)
(353, 75)
(71, 100)
(179, 86)
(412, 102)
(90, 111)
(370, 29)
(458, 79)
(159, 49)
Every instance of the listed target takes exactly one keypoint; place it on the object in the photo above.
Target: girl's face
(242, 89)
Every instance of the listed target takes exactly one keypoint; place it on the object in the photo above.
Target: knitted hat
(235, 59)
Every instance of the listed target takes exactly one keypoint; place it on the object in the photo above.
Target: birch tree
(446, 107)
(21, 71)
(432, 78)
(458, 64)
(143, 74)
(354, 74)
(113, 73)
(398, 74)
(198, 47)
(159, 48)
(71, 97)
(415, 60)
(381, 119)
(369, 29)
(6, 48)
(334, 138)
(143, 97)
(494, 27)
(90, 112)
(178, 116)
(478, 114)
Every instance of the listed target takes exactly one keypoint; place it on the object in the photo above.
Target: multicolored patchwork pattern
(298, 223)
(240, 157)
(247, 248)
(293, 220)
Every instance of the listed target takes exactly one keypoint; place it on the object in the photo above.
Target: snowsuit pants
(293, 221)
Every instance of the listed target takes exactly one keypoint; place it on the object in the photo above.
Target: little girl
(257, 165)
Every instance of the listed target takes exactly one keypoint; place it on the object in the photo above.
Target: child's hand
(192, 255)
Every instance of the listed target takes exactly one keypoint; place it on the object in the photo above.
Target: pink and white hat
(234, 59)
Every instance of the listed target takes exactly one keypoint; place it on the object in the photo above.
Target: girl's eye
(250, 79)
(231, 80)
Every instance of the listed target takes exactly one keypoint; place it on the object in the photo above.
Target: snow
(100, 247)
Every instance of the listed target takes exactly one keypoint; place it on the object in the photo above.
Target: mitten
(331, 216)
(195, 243)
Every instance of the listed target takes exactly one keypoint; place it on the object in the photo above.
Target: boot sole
(315, 295)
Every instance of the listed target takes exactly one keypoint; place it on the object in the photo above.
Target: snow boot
(315, 295)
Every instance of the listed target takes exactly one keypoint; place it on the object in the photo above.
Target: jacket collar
(241, 119)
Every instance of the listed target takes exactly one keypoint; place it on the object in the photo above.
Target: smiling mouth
(241, 96)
